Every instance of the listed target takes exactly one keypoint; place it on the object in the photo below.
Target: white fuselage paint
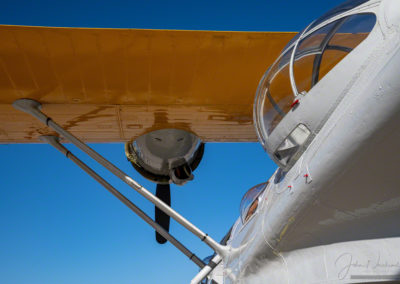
(335, 215)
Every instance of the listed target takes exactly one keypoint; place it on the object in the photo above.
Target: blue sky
(60, 226)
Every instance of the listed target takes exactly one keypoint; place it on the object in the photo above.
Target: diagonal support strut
(54, 141)
(33, 108)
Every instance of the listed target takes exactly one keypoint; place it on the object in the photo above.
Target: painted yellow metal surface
(110, 85)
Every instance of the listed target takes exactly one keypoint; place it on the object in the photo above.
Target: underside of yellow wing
(111, 85)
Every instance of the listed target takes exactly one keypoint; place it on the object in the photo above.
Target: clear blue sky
(59, 226)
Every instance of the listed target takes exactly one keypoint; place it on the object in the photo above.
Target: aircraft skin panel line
(333, 217)
(326, 111)
(111, 85)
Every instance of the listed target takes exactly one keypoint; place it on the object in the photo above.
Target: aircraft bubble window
(317, 52)
(276, 87)
(320, 51)
(251, 201)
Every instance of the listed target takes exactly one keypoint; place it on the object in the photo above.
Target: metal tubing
(54, 141)
(33, 107)
(206, 270)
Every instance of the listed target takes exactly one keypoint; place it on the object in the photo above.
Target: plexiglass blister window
(316, 54)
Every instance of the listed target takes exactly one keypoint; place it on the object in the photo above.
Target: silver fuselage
(334, 216)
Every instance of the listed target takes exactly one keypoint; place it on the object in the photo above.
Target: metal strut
(33, 108)
(206, 270)
(54, 141)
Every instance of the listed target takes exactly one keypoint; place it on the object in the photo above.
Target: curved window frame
(260, 99)
(342, 16)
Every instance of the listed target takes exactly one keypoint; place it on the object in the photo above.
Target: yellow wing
(109, 85)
